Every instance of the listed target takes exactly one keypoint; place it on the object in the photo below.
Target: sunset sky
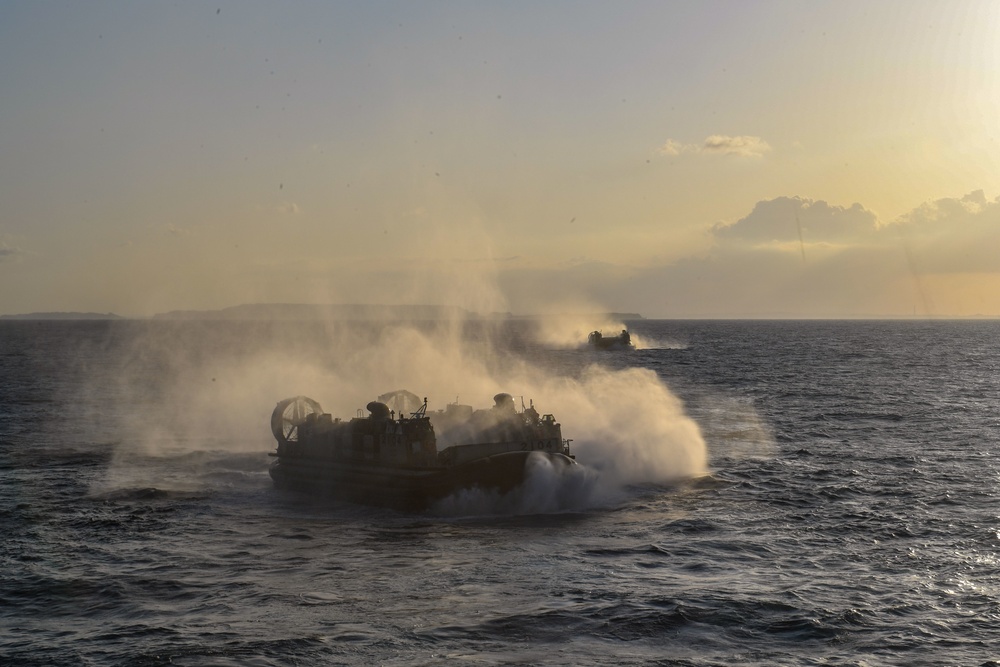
(675, 159)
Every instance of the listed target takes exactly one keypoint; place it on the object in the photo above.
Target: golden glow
(393, 163)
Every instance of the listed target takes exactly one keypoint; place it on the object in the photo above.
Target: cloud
(719, 144)
(949, 235)
(744, 146)
(672, 147)
(289, 208)
(9, 253)
(940, 259)
(801, 221)
(952, 235)
(932, 214)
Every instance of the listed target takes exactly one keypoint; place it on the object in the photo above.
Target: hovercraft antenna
(421, 411)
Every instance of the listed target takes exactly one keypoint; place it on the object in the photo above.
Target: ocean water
(845, 510)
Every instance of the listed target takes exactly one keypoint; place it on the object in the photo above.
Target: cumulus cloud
(949, 235)
(9, 253)
(719, 144)
(289, 208)
(798, 257)
(800, 220)
(672, 147)
(968, 208)
(744, 146)
(952, 235)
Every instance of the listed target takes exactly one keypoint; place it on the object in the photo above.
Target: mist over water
(549, 488)
(188, 387)
(571, 332)
(644, 342)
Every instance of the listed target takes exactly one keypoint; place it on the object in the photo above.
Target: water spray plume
(214, 384)
(571, 331)
(630, 427)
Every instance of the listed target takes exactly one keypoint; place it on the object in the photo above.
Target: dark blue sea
(749, 493)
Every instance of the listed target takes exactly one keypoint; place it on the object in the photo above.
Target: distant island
(619, 317)
(63, 316)
(305, 311)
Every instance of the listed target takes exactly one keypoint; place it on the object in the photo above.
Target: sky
(673, 159)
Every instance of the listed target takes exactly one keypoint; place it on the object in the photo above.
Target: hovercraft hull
(415, 488)
(391, 460)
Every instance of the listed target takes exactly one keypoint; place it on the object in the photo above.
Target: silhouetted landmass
(357, 311)
(63, 316)
(621, 317)
(304, 311)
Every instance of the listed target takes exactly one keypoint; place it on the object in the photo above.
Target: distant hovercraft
(622, 341)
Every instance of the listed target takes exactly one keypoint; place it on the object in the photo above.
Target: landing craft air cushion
(390, 460)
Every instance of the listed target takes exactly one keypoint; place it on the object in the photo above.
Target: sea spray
(628, 426)
(217, 383)
(550, 487)
(571, 331)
